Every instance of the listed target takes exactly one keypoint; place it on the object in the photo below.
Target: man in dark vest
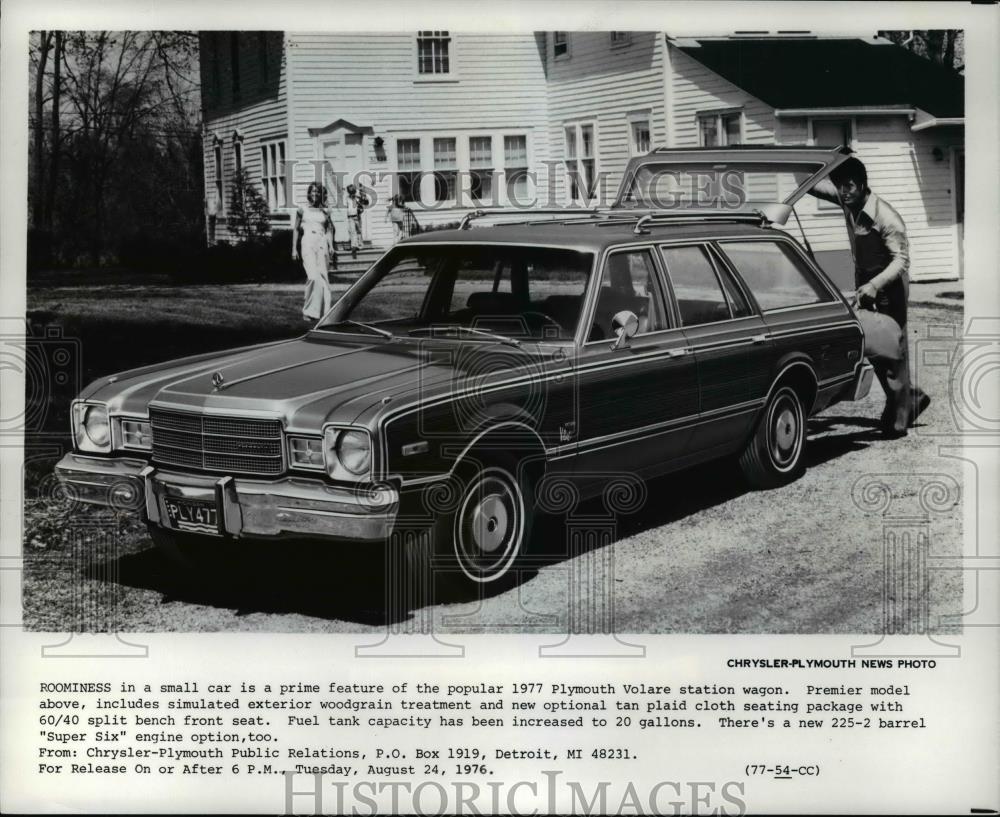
(881, 262)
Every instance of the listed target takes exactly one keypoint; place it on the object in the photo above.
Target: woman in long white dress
(315, 247)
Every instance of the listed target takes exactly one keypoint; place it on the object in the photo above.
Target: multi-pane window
(433, 52)
(581, 168)
(238, 163)
(272, 173)
(641, 141)
(560, 44)
(408, 164)
(445, 169)
(720, 129)
(831, 133)
(515, 161)
(217, 156)
(621, 37)
(481, 167)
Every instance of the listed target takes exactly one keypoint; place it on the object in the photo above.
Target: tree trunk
(37, 210)
(53, 180)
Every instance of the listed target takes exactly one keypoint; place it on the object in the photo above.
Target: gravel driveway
(701, 555)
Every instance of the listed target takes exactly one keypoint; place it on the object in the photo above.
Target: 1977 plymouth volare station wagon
(679, 326)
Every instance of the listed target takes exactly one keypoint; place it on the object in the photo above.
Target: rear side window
(700, 298)
(775, 275)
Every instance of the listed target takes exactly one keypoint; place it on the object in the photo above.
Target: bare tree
(943, 46)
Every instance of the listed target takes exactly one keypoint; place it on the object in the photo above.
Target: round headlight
(354, 450)
(95, 424)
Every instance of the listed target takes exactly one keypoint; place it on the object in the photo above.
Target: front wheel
(773, 456)
(478, 541)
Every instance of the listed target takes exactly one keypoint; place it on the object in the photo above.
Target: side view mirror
(624, 324)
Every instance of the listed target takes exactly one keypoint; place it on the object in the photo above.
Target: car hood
(305, 382)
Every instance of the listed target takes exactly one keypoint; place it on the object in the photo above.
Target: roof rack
(479, 214)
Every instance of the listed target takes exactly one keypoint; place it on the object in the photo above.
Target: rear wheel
(773, 456)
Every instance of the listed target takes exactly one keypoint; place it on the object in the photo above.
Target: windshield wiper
(458, 328)
(385, 333)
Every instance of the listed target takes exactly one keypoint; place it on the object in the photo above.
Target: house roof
(832, 73)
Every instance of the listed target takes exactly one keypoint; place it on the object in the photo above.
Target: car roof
(588, 235)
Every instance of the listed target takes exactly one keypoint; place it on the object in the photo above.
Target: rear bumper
(247, 507)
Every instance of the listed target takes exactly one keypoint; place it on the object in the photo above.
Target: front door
(344, 160)
(636, 402)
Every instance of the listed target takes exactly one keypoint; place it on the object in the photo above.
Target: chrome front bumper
(863, 380)
(247, 507)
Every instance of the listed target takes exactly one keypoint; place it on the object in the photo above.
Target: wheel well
(520, 444)
(801, 378)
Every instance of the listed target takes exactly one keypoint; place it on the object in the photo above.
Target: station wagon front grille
(231, 444)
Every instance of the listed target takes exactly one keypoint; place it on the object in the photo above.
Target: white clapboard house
(423, 106)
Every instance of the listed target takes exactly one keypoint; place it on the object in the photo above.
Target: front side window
(445, 291)
(445, 169)
(272, 163)
(699, 295)
(433, 53)
(775, 275)
(628, 283)
(620, 38)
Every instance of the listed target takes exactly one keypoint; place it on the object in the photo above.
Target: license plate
(192, 515)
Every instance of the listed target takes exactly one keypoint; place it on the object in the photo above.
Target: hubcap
(489, 526)
(489, 523)
(785, 432)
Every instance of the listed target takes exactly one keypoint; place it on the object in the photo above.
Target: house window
(581, 166)
(718, 129)
(408, 165)
(238, 163)
(515, 162)
(640, 140)
(272, 163)
(481, 167)
(831, 133)
(560, 45)
(432, 52)
(445, 169)
(218, 188)
(621, 38)
(234, 63)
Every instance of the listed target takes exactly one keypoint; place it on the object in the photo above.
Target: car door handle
(680, 352)
(760, 338)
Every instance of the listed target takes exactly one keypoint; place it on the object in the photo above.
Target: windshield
(713, 185)
(498, 290)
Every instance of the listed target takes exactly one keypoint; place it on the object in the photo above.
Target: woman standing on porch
(312, 239)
